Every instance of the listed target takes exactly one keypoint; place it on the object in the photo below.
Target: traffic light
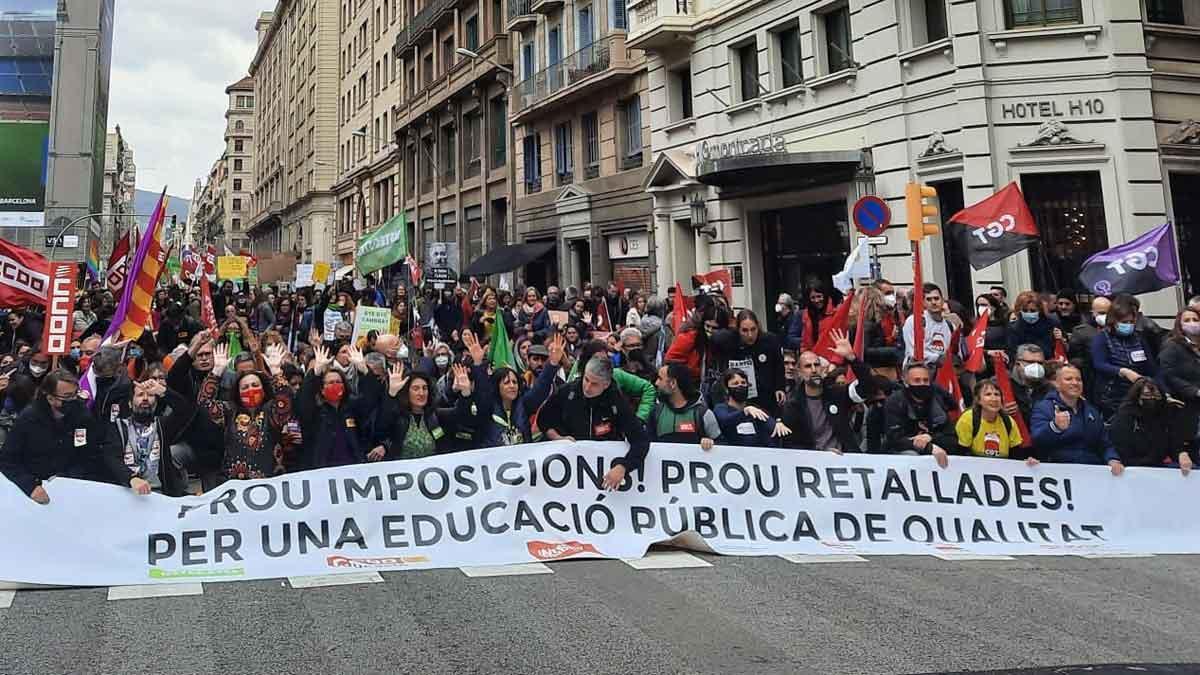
(923, 216)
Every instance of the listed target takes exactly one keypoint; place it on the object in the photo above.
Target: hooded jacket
(906, 420)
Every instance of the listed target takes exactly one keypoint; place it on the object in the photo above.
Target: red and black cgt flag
(997, 227)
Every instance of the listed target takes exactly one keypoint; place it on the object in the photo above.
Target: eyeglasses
(68, 398)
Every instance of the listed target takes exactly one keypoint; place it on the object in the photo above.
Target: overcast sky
(172, 60)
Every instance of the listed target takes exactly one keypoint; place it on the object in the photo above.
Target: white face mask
(889, 299)
(441, 360)
(778, 308)
(1034, 371)
(980, 310)
(1100, 318)
(37, 371)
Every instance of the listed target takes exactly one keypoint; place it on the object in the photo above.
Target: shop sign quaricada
(769, 144)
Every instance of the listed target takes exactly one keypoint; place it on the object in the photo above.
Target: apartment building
(296, 91)
(771, 117)
(582, 110)
(120, 185)
(208, 220)
(239, 162)
(447, 79)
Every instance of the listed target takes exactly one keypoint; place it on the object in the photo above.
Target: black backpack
(977, 420)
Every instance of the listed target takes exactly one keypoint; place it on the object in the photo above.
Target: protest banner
(60, 308)
(367, 319)
(279, 267)
(231, 267)
(544, 502)
(558, 318)
(320, 273)
(304, 275)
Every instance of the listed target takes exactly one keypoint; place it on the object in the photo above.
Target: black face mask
(740, 394)
(72, 409)
(636, 355)
(920, 392)
(1152, 404)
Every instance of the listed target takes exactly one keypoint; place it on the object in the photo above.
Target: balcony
(521, 15)
(547, 7)
(423, 21)
(461, 77)
(660, 24)
(585, 72)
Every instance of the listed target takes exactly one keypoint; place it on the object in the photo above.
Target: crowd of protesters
(281, 383)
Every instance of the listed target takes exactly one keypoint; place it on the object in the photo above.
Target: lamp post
(54, 244)
(510, 230)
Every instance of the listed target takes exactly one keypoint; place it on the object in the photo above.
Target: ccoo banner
(543, 502)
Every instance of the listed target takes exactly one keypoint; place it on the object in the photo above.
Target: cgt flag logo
(557, 550)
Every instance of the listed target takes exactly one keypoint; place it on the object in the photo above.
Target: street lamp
(509, 235)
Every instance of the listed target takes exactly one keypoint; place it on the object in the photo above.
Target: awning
(506, 259)
(784, 169)
(341, 272)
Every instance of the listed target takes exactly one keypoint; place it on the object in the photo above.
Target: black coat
(839, 401)
(1147, 439)
(170, 427)
(607, 417)
(205, 438)
(767, 356)
(904, 421)
(320, 421)
(40, 447)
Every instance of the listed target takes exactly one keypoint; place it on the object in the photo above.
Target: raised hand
(198, 341)
(274, 358)
(314, 337)
(842, 345)
(321, 359)
(357, 359)
(557, 347)
(220, 359)
(756, 413)
(462, 379)
(473, 347)
(396, 379)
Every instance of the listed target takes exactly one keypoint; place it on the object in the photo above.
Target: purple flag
(1145, 264)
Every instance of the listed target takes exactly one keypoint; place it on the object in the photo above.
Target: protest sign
(321, 272)
(332, 319)
(231, 267)
(279, 267)
(304, 275)
(543, 502)
(367, 319)
(558, 318)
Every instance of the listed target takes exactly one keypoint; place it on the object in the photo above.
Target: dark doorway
(581, 254)
(543, 272)
(1069, 211)
(803, 242)
(954, 246)
(1185, 197)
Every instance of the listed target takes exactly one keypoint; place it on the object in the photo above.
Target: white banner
(543, 502)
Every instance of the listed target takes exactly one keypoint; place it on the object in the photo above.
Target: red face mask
(333, 392)
(84, 362)
(252, 397)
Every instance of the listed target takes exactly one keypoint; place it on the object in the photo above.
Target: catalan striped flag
(93, 260)
(133, 314)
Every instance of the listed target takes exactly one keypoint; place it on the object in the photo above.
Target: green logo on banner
(157, 573)
(383, 247)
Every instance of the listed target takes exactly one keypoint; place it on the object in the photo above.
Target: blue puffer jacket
(792, 331)
(1085, 441)
(498, 427)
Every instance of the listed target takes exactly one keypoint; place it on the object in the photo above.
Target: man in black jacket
(819, 410)
(177, 328)
(54, 436)
(592, 409)
(918, 421)
(199, 444)
(113, 387)
(139, 455)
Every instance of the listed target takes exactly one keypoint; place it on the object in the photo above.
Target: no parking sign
(871, 215)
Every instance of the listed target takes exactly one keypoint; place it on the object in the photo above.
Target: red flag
(997, 227)
(975, 350)
(602, 312)
(118, 264)
(1060, 351)
(859, 346)
(620, 287)
(210, 262)
(24, 276)
(1006, 391)
(60, 305)
(417, 337)
(839, 321)
(683, 304)
(208, 317)
(716, 280)
(947, 378)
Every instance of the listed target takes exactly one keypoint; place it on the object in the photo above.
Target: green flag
(383, 247)
(500, 353)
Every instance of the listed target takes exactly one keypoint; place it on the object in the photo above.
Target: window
(1069, 211)
(449, 157)
(237, 165)
(386, 71)
(533, 163)
(745, 58)
(631, 136)
(591, 145)
(1029, 13)
(447, 54)
(498, 17)
(528, 60)
(499, 118)
(932, 19)
(427, 70)
(680, 86)
(1165, 11)
(427, 164)
(839, 53)
(619, 15)
(790, 63)
(237, 184)
(449, 220)
(237, 145)
(237, 224)
(410, 171)
(472, 128)
(583, 27)
(564, 161)
(472, 33)
(474, 234)
(239, 126)
(237, 205)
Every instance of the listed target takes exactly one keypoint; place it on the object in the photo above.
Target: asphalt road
(740, 615)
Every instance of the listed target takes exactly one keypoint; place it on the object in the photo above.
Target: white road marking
(804, 558)
(506, 570)
(666, 560)
(154, 591)
(967, 555)
(1114, 554)
(6, 599)
(319, 580)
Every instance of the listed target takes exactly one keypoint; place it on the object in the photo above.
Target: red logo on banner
(60, 305)
(24, 276)
(550, 550)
